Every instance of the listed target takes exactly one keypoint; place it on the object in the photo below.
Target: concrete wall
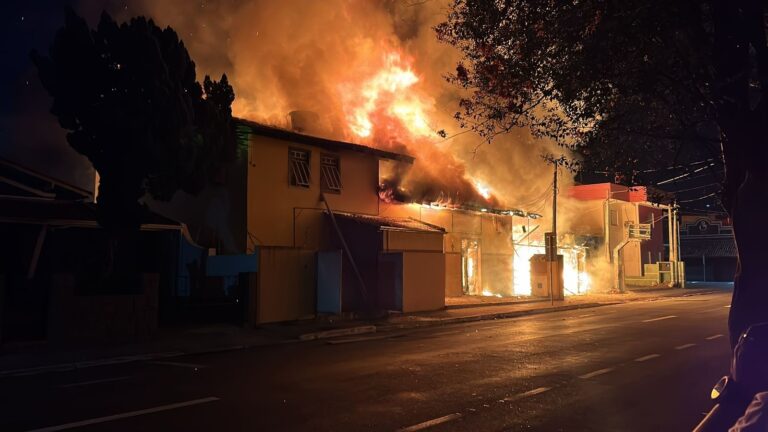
(107, 317)
(274, 206)
(626, 213)
(412, 241)
(423, 281)
(654, 246)
(285, 284)
(494, 233)
(453, 275)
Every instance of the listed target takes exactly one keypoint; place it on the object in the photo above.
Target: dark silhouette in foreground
(129, 98)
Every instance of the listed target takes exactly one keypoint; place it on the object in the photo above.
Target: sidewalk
(494, 308)
(173, 342)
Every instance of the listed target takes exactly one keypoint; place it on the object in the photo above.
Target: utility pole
(554, 206)
(554, 238)
(551, 244)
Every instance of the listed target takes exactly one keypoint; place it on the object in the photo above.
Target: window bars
(330, 174)
(299, 167)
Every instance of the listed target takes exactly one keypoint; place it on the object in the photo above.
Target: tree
(127, 94)
(631, 84)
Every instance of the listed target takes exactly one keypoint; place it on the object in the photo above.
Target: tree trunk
(745, 140)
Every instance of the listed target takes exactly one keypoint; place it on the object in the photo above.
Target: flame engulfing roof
(245, 127)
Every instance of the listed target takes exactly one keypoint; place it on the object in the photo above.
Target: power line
(694, 188)
(677, 166)
(684, 175)
(538, 199)
(699, 198)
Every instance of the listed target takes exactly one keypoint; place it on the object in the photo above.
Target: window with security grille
(330, 173)
(299, 174)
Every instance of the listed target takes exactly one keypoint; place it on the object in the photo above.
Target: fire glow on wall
(575, 277)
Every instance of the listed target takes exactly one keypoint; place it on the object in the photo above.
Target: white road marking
(184, 365)
(714, 337)
(534, 392)
(596, 373)
(727, 306)
(660, 318)
(686, 346)
(648, 357)
(430, 423)
(98, 381)
(124, 415)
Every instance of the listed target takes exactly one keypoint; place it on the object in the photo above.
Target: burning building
(369, 162)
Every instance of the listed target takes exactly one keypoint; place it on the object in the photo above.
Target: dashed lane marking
(686, 346)
(596, 373)
(646, 358)
(714, 337)
(97, 420)
(529, 393)
(660, 318)
(430, 423)
(98, 381)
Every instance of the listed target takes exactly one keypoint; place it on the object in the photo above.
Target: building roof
(245, 127)
(18, 180)
(708, 247)
(42, 211)
(390, 223)
(601, 191)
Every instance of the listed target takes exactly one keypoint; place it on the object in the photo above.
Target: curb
(493, 316)
(338, 332)
(509, 303)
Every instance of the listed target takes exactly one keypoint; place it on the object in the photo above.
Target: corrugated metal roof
(404, 224)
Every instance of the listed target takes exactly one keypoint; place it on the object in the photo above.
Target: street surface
(642, 366)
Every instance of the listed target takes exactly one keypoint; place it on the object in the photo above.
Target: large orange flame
(387, 95)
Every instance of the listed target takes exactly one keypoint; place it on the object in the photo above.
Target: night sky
(29, 134)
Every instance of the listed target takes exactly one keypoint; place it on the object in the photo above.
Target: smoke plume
(321, 55)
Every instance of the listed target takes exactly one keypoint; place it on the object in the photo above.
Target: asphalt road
(645, 366)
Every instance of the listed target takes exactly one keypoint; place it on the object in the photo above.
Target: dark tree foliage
(633, 85)
(597, 76)
(129, 98)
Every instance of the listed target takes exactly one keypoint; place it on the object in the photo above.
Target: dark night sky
(28, 133)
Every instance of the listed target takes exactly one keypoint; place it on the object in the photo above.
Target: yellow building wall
(285, 284)
(274, 206)
(412, 241)
(423, 281)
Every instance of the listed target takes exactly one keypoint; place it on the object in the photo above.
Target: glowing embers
(575, 277)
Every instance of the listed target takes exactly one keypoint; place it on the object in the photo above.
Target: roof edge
(287, 135)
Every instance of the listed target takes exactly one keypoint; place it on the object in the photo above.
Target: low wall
(423, 281)
(453, 275)
(75, 317)
(286, 284)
